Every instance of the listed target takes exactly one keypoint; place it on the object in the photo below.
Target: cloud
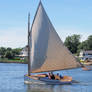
(13, 37)
(17, 37)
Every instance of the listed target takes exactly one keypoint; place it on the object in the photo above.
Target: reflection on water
(57, 88)
(45, 88)
(39, 88)
(53, 88)
(12, 80)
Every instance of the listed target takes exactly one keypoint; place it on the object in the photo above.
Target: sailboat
(46, 51)
(85, 67)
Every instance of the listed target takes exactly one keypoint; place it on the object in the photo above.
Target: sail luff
(35, 14)
(48, 52)
(30, 41)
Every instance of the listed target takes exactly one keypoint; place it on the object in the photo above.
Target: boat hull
(42, 80)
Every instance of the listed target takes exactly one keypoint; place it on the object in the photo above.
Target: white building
(24, 52)
(87, 53)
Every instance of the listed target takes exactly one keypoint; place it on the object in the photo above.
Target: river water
(12, 80)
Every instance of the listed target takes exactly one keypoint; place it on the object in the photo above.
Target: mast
(29, 66)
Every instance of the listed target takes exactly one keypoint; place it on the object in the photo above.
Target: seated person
(61, 77)
(58, 77)
(51, 76)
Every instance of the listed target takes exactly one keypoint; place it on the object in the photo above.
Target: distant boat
(86, 60)
(46, 51)
(87, 63)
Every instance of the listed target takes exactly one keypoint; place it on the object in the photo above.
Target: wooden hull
(45, 80)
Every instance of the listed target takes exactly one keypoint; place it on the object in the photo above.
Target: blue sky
(67, 16)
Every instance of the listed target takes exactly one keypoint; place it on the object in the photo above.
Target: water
(12, 80)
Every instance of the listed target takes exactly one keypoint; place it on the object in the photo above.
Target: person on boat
(51, 76)
(61, 77)
(58, 77)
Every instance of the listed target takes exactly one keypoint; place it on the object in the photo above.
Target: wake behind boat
(46, 51)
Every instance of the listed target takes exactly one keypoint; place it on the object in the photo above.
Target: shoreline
(13, 62)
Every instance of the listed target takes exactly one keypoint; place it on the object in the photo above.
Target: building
(24, 52)
(87, 53)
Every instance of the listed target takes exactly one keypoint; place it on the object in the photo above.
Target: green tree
(83, 45)
(9, 49)
(72, 43)
(87, 44)
(12, 53)
(9, 54)
(2, 52)
(16, 51)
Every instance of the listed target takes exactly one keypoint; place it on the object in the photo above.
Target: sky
(67, 16)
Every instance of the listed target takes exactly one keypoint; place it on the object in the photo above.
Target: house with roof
(24, 52)
(87, 53)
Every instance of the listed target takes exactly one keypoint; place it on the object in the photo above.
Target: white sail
(48, 51)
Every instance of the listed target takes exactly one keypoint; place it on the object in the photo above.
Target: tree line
(74, 44)
(9, 52)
